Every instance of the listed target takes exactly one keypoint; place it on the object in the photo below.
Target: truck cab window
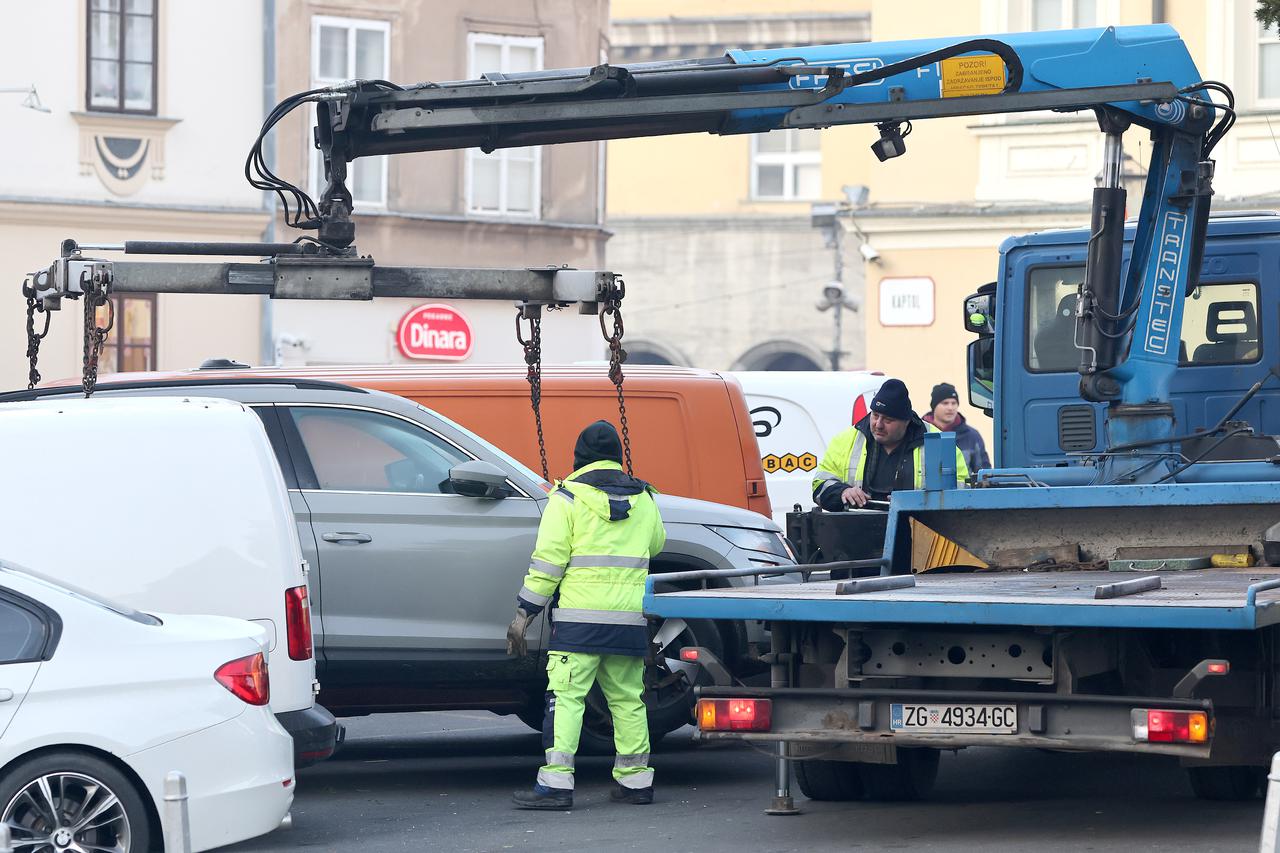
(1219, 323)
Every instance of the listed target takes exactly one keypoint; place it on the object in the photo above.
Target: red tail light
(739, 715)
(1156, 726)
(859, 409)
(297, 618)
(246, 678)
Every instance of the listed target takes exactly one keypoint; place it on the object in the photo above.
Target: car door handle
(354, 538)
(5, 694)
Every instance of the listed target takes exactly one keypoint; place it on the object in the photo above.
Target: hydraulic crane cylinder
(1100, 325)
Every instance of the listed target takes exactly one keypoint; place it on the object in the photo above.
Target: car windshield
(82, 594)
(492, 448)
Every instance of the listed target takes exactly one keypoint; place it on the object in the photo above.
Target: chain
(533, 358)
(95, 296)
(611, 307)
(33, 340)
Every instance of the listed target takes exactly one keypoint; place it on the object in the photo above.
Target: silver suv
(419, 532)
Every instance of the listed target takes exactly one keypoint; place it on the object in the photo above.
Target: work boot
(542, 797)
(634, 796)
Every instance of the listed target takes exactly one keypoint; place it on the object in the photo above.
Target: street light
(32, 99)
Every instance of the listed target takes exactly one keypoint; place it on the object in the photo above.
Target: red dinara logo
(435, 331)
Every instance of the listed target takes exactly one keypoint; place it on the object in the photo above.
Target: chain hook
(96, 294)
(611, 308)
(533, 359)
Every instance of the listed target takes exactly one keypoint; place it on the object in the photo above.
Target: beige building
(514, 208)
(713, 233)
(932, 219)
(128, 137)
(137, 139)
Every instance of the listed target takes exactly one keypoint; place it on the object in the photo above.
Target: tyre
(911, 778)
(1237, 782)
(837, 781)
(68, 800)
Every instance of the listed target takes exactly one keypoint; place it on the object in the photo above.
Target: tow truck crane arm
(1129, 75)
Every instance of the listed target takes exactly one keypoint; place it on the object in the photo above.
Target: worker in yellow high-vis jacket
(878, 455)
(597, 534)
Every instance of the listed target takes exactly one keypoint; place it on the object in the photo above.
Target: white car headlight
(751, 539)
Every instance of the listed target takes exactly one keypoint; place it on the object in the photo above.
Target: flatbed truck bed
(1239, 599)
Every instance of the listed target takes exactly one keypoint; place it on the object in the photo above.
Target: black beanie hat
(598, 442)
(892, 400)
(942, 391)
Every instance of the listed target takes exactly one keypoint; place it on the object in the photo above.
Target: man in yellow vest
(878, 455)
(598, 531)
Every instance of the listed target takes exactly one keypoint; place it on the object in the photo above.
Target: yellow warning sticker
(963, 76)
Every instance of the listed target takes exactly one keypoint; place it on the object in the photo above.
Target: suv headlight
(756, 540)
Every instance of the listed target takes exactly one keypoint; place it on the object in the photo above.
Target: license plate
(982, 719)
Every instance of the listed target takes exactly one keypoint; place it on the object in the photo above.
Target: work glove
(516, 643)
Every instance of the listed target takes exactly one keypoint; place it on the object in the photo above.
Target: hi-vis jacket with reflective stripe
(597, 534)
(845, 462)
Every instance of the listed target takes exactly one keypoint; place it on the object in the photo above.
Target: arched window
(782, 355)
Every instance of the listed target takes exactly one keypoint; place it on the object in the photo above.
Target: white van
(167, 504)
(796, 414)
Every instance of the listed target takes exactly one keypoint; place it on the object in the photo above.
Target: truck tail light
(735, 715)
(297, 619)
(246, 678)
(1157, 726)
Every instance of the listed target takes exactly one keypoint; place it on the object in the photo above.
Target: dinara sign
(435, 331)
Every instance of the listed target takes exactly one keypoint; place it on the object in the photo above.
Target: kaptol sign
(435, 331)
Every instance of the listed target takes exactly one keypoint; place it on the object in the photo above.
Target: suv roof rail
(198, 381)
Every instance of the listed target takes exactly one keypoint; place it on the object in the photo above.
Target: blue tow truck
(1129, 526)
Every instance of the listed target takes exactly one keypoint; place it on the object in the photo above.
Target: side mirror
(980, 312)
(479, 479)
(982, 374)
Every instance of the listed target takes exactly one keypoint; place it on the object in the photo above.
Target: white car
(99, 702)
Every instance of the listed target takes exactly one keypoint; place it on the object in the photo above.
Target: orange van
(691, 433)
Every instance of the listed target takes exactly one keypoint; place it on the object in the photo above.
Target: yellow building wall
(923, 356)
(712, 8)
(701, 174)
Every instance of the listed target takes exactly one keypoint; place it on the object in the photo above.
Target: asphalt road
(443, 781)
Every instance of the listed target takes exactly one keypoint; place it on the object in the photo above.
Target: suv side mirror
(982, 374)
(479, 479)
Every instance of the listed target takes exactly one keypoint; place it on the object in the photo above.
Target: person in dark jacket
(944, 413)
(878, 455)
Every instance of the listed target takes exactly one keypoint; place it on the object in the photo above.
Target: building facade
(724, 265)
(513, 208)
(128, 136)
(143, 132)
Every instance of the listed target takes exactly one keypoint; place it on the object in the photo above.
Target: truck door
(413, 576)
(1225, 331)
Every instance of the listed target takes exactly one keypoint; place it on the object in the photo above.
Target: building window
(1268, 63)
(507, 182)
(1063, 14)
(351, 49)
(786, 164)
(121, 56)
(131, 344)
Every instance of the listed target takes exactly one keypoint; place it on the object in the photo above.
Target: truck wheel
(911, 778)
(836, 781)
(1236, 782)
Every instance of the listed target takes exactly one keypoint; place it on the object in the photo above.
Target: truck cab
(1022, 367)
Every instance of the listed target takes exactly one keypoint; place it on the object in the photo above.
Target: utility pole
(825, 215)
